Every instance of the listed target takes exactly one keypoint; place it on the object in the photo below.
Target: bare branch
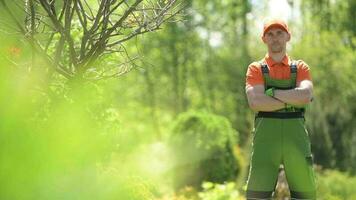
(12, 16)
(90, 10)
(145, 26)
(81, 15)
(49, 41)
(116, 6)
(67, 28)
(98, 17)
(128, 66)
(133, 34)
(104, 30)
(101, 44)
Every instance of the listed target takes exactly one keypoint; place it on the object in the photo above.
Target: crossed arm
(299, 96)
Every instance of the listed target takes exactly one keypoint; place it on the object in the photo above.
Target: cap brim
(275, 26)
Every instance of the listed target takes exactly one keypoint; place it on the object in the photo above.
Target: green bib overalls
(280, 137)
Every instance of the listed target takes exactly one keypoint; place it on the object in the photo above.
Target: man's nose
(275, 38)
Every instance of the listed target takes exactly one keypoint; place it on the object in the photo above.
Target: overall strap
(293, 72)
(265, 72)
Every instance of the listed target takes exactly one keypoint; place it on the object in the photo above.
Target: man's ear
(263, 39)
(288, 37)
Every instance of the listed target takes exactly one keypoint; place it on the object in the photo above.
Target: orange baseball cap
(275, 23)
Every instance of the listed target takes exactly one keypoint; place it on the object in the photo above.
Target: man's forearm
(261, 102)
(296, 96)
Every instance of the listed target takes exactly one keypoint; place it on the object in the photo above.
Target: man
(278, 89)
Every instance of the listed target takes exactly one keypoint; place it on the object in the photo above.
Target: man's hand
(258, 101)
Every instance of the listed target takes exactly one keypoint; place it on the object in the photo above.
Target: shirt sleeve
(303, 72)
(254, 75)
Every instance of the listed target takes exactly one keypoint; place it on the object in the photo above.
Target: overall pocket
(257, 124)
(306, 139)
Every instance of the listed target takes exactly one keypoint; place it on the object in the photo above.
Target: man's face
(276, 39)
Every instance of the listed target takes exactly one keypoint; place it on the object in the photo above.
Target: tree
(74, 35)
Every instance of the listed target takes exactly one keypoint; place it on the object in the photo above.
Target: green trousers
(280, 141)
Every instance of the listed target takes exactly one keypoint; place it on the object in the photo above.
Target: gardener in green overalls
(278, 90)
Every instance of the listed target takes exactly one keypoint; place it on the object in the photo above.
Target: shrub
(335, 185)
(204, 149)
(226, 191)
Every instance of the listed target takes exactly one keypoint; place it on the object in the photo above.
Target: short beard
(276, 49)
